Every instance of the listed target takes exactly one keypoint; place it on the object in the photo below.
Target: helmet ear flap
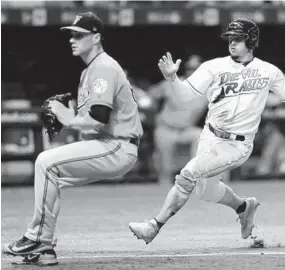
(252, 42)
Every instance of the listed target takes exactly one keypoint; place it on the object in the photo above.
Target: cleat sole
(38, 259)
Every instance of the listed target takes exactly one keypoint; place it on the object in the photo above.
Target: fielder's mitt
(49, 120)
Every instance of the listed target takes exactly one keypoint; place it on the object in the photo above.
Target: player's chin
(234, 54)
(75, 53)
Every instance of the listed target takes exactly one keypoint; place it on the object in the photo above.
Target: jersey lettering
(253, 82)
(231, 87)
(246, 74)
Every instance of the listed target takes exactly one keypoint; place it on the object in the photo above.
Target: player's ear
(96, 38)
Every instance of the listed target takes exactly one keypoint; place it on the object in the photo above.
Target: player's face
(81, 43)
(237, 46)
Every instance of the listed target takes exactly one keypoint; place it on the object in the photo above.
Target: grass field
(93, 229)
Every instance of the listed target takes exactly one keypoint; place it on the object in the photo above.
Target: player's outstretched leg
(175, 200)
(146, 230)
(246, 217)
(212, 189)
(245, 208)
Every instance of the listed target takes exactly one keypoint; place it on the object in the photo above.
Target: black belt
(226, 135)
(135, 141)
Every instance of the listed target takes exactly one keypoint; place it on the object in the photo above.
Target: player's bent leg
(247, 217)
(71, 165)
(215, 156)
(212, 189)
(41, 228)
(245, 208)
(176, 198)
(56, 210)
(30, 243)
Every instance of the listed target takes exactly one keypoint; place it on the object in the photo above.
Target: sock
(159, 224)
(241, 208)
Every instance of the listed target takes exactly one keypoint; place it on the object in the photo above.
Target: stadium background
(92, 226)
(37, 63)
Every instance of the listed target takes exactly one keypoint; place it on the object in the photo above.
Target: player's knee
(42, 159)
(210, 189)
(184, 185)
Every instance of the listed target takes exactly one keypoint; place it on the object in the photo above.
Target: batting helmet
(246, 28)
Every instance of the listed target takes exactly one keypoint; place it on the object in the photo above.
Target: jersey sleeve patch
(100, 86)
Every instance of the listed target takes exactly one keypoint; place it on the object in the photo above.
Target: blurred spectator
(141, 96)
(176, 123)
(272, 158)
(144, 165)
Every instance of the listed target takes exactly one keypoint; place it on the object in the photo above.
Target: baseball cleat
(45, 258)
(25, 246)
(146, 230)
(246, 218)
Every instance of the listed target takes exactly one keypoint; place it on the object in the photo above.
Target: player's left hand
(167, 67)
(64, 115)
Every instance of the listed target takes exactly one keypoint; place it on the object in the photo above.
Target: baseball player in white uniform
(237, 87)
(109, 122)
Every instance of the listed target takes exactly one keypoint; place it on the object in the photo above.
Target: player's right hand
(167, 67)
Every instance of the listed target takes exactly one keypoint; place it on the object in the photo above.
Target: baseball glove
(49, 120)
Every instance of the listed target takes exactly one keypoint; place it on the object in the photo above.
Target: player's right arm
(193, 86)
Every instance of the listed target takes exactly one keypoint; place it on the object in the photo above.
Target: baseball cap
(87, 22)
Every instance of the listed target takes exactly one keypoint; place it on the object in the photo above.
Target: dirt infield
(93, 229)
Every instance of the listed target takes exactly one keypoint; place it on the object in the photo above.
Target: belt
(226, 135)
(134, 141)
(87, 136)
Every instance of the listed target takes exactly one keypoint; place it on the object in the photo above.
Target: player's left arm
(102, 89)
(195, 85)
(278, 85)
(97, 117)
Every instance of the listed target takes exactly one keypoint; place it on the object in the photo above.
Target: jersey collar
(94, 58)
(244, 64)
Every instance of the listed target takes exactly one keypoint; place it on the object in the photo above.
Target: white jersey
(237, 93)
